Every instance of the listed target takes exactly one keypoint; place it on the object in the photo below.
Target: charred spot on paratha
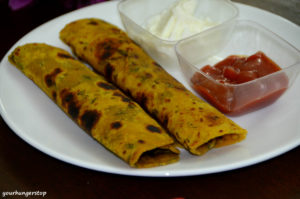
(70, 103)
(142, 99)
(116, 125)
(153, 129)
(89, 118)
(54, 95)
(107, 48)
(165, 120)
(50, 78)
(213, 120)
(141, 141)
(109, 69)
(123, 97)
(92, 22)
(106, 86)
(156, 64)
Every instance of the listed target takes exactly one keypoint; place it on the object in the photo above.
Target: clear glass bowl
(240, 37)
(135, 14)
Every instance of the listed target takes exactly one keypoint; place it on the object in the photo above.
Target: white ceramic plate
(37, 120)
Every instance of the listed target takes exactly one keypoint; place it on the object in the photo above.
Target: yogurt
(178, 21)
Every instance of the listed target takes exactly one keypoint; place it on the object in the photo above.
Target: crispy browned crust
(97, 106)
(194, 123)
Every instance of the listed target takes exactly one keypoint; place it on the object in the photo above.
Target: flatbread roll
(194, 123)
(98, 107)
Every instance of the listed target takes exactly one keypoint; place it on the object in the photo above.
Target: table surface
(24, 168)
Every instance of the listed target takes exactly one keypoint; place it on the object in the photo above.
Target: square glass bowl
(240, 37)
(135, 14)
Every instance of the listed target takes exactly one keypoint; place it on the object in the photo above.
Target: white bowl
(135, 14)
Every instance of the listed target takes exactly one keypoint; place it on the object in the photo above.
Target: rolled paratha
(194, 123)
(97, 106)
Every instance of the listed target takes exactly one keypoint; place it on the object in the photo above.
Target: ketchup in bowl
(240, 84)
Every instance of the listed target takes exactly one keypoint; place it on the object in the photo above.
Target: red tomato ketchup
(237, 84)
